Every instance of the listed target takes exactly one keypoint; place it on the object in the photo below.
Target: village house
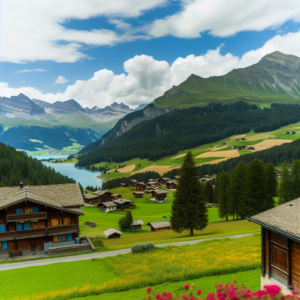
(280, 237)
(138, 194)
(251, 148)
(140, 187)
(278, 173)
(163, 181)
(291, 132)
(223, 143)
(121, 185)
(115, 197)
(137, 224)
(113, 233)
(36, 218)
(122, 204)
(133, 182)
(151, 183)
(205, 180)
(160, 225)
(107, 206)
(91, 199)
(172, 184)
(159, 195)
(104, 196)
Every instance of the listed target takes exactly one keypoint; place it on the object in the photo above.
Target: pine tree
(295, 179)
(216, 188)
(209, 192)
(254, 196)
(272, 185)
(235, 189)
(284, 190)
(189, 212)
(223, 188)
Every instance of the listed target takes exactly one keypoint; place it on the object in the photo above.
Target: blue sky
(131, 52)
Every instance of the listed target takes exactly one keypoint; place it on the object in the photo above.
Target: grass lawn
(250, 278)
(132, 271)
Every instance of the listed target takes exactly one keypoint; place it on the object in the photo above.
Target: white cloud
(146, 78)
(34, 30)
(60, 80)
(30, 71)
(224, 18)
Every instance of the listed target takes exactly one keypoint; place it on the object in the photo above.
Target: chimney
(21, 185)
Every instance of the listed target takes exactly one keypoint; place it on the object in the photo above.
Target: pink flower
(149, 297)
(234, 280)
(198, 292)
(184, 296)
(148, 289)
(192, 298)
(157, 296)
(220, 285)
(186, 286)
(164, 293)
(272, 290)
(226, 285)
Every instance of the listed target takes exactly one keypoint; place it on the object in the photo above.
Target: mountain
(275, 78)
(141, 106)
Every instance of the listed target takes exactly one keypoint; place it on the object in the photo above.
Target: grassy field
(167, 163)
(250, 278)
(132, 271)
(149, 211)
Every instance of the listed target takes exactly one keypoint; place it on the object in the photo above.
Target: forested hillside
(188, 128)
(16, 167)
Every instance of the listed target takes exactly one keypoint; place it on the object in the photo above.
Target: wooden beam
(262, 252)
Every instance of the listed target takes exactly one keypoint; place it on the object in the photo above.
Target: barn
(160, 225)
(138, 194)
(113, 233)
(122, 203)
(107, 206)
(140, 187)
(280, 244)
(172, 184)
(137, 224)
(159, 195)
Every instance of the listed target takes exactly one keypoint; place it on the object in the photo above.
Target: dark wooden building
(140, 187)
(32, 217)
(107, 206)
(104, 196)
(122, 204)
(152, 183)
(160, 225)
(133, 182)
(137, 224)
(172, 184)
(163, 181)
(159, 195)
(115, 197)
(91, 199)
(138, 194)
(280, 244)
(121, 184)
(113, 233)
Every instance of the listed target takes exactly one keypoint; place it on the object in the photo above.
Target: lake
(80, 175)
(45, 157)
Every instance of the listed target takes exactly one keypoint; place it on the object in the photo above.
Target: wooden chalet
(172, 184)
(140, 187)
(251, 148)
(34, 217)
(113, 233)
(159, 195)
(163, 181)
(91, 199)
(291, 132)
(104, 196)
(133, 182)
(160, 225)
(121, 185)
(205, 180)
(107, 206)
(280, 243)
(137, 224)
(150, 183)
(115, 197)
(138, 194)
(122, 204)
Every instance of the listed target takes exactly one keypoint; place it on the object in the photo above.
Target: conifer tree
(235, 189)
(209, 192)
(272, 185)
(284, 190)
(216, 188)
(295, 179)
(189, 212)
(223, 195)
(254, 196)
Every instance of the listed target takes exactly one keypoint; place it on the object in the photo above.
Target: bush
(97, 241)
(142, 247)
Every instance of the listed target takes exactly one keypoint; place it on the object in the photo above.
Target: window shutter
(26, 226)
(55, 239)
(69, 236)
(53, 222)
(18, 211)
(2, 228)
(19, 227)
(58, 238)
(35, 210)
(67, 221)
(4, 245)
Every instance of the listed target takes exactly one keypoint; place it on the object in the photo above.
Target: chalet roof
(142, 183)
(166, 178)
(111, 231)
(138, 193)
(99, 192)
(160, 192)
(159, 224)
(122, 183)
(173, 181)
(137, 222)
(121, 201)
(63, 196)
(90, 196)
(284, 217)
(177, 176)
(109, 204)
(116, 195)
(133, 180)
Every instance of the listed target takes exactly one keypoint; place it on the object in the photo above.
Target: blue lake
(80, 175)
(44, 157)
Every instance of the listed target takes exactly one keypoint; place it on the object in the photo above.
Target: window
(3, 245)
(61, 221)
(23, 226)
(2, 228)
(27, 210)
(62, 238)
(33, 225)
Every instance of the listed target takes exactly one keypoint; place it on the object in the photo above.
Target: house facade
(34, 217)
(280, 243)
(172, 184)
(122, 204)
(140, 187)
(159, 195)
(138, 194)
(92, 199)
(107, 206)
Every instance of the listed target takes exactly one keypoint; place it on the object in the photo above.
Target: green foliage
(125, 222)
(223, 187)
(272, 185)
(209, 192)
(97, 241)
(285, 187)
(142, 247)
(295, 180)
(189, 211)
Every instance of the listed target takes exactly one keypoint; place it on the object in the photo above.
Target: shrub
(142, 247)
(97, 241)
(123, 223)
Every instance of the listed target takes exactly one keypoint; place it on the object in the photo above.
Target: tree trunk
(191, 231)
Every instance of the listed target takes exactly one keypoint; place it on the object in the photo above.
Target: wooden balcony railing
(8, 235)
(62, 229)
(31, 232)
(26, 217)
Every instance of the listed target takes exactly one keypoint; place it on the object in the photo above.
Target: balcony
(62, 229)
(8, 235)
(26, 217)
(31, 233)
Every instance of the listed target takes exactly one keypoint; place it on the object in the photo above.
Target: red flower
(186, 286)
(148, 289)
(272, 290)
(198, 292)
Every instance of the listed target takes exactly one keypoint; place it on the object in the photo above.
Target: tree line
(188, 128)
(16, 167)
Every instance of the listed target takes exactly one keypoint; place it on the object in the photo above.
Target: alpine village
(150, 150)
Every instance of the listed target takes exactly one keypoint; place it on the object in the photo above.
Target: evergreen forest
(188, 128)
(16, 167)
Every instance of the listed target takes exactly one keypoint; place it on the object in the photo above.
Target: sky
(131, 51)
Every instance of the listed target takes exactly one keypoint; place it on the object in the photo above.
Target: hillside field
(204, 154)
